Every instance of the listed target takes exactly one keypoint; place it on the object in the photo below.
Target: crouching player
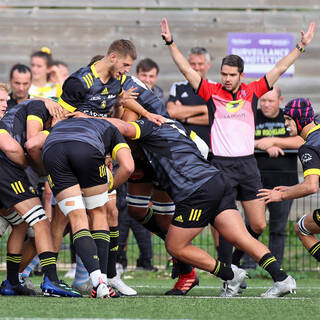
(202, 196)
(74, 157)
(16, 192)
(299, 118)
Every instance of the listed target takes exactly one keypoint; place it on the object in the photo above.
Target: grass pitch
(201, 303)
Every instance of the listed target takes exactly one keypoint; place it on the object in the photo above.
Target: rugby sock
(238, 254)
(183, 268)
(48, 261)
(34, 262)
(315, 251)
(113, 252)
(102, 240)
(13, 263)
(86, 249)
(222, 271)
(82, 275)
(269, 263)
(150, 223)
(225, 251)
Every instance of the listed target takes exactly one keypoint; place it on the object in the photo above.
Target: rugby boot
(58, 289)
(7, 289)
(184, 284)
(281, 288)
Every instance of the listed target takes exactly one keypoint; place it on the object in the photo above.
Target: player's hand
(264, 143)
(165, 31)
(54, 109)
(268, 195)
(274, 152)
(281, 188)
(128, 94)
(77, 114)
(155, 118)
(307, 37)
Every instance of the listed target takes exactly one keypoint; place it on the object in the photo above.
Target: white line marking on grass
(215, 287)
(212, 297)
(83, 319)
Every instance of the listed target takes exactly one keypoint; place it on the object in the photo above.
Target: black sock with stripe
(86, 249)
(13, 264)
(113, 252)
(222, 271)
(269, 263)
(151, 224)
(315, 251)
(48, 261)
(102, 241)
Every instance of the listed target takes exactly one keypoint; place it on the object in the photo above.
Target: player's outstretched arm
(283, 64)
(182, 63)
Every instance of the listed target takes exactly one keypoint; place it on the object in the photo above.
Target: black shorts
(242, 174)
(201, 208)
(74, 162)
(14, 185)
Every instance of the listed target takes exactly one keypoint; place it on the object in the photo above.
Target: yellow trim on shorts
(138, 130)
(117, 148)
(311, 171)
(66, 105)
(36, 118)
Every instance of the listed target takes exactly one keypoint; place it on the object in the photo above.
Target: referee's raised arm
(182, 63)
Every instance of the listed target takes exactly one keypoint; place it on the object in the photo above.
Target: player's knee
(258, 228)
(301, 229)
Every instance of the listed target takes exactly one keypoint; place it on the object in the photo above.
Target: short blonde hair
(4, 87)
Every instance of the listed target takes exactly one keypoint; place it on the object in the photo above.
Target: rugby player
(299, 118)
(22, 122)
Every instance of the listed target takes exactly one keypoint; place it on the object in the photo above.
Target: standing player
(231, 104)
(299, 117)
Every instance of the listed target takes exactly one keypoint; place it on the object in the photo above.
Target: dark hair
(59, 63)
(233, 60)
(44, 53)
(95, 59)
(21, 68)
(146, 64)
(124, 48)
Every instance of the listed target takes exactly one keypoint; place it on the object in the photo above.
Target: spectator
(277, 167)
(58, 72)
(4, 91)
(41, 63)
(147, 71)
(184, 104)
(20, 82)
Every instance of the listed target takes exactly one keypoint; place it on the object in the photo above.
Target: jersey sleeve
(173, 93)
(143, 128)
(310, 160)
(3, 128)
(37, 111)
(73, 92)
(114, 141)
(206, 89)
(260, 87)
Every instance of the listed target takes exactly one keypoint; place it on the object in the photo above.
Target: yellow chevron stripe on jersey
(317, 127)
(14, 188)
(94, 71)
(90, 79)
(311, 171)
(36, 118)
(21, 187)
(123, 79)
(66, 105)
(2, 131)
(86, 81)
(138, 131)
(117, 148)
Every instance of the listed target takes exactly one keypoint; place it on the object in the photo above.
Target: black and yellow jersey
(16, 119)
(309, 152)
(84, 91)
(99, 133)
(178, 164)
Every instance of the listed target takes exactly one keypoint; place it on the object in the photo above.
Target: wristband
(167, 42)
(299, 48)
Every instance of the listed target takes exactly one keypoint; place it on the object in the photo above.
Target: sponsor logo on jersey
(306, 157)
(234, 106)
(105, 91)
(185, 95)
(179, 218)
(95, 98)
(111, 96)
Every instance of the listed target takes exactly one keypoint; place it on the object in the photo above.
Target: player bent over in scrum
(74, 157)
(202, 196)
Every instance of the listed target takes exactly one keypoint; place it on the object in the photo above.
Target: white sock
(95, 277)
